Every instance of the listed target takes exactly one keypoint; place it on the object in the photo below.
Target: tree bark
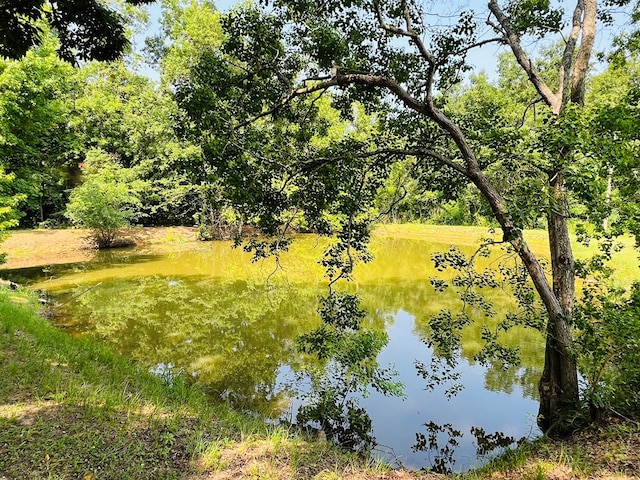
(558, 385)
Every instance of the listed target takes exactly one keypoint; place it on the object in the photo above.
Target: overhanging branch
(342, 80)
(395, 152)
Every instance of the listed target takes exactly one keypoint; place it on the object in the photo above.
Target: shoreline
(32, 248)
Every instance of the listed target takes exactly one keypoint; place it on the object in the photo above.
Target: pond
(232, 325)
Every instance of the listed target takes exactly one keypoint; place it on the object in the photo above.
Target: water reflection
(397, 422)
(229, 335)
(212, 315)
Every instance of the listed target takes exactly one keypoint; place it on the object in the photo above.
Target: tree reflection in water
(211, 315)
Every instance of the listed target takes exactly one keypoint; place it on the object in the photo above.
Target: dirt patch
(31, 248)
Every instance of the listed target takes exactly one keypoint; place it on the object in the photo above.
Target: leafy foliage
(125, 115)
(36, 142)
(276, 62)
(609, 346)
(325, 116)
(8, 203)
(106, 201)
(188, 30)
(87, 29)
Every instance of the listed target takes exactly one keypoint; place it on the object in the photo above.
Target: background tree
(8, 203)
(188, 28)
(128, 116)
(393, 59)
(87, 29)
(37, 144)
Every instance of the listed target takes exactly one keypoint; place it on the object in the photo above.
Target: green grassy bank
(69, 409)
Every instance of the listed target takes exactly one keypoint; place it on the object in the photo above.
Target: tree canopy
(253, 106)
(87, 29)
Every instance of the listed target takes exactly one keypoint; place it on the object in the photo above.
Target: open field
(29, 248)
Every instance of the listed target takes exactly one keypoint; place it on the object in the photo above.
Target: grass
(71, 409)
(625, 262)
(606, 451)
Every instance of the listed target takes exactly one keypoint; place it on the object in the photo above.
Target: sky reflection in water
(211, 315)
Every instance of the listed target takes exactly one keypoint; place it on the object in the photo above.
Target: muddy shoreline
(32, 248)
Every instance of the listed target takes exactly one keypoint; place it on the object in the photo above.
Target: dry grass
(30, 248)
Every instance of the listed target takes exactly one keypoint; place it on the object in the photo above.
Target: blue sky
(484, 59)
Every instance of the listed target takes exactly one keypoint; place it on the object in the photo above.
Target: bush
(8, 215)
(609, 343)
(106, 201)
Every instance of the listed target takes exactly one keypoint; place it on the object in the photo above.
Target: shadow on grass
(52, 440)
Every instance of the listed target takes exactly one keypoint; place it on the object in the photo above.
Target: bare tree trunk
(558, 385)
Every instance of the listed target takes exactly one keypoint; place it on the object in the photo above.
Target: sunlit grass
(625, 262)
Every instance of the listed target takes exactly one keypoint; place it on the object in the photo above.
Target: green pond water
(232, 325)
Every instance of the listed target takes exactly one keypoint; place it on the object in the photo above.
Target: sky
(484, 59)
(154, 27)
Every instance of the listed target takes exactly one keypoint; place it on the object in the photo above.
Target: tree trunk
(558, 385)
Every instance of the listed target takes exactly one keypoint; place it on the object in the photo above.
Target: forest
(290, 116)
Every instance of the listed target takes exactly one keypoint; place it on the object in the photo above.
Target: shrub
(8, 202)
(609, 348)
(106, 201)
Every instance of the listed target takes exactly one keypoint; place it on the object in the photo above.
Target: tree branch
(478, 44)
(569, 50)
(365, 80)
(419, 153)
(409, 32)
(584, 52)
(524, 114)
(553, 100)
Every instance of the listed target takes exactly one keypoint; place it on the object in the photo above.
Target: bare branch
(393, 205)
(524, 114)
(364, 79)
(584, 52)
(394, 152)
(478, 44)
(407, 15)
(569, 50)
